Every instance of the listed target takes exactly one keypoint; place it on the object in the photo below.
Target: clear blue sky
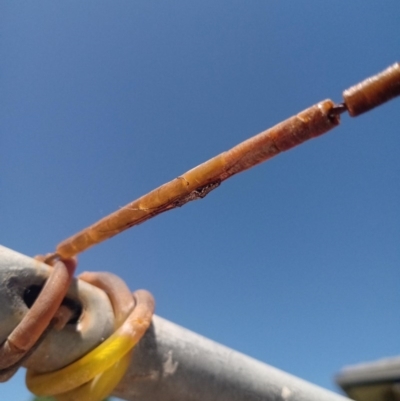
(295, 262)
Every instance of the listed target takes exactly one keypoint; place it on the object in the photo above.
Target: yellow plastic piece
(83, 370)
(101, 386)
(95, 375)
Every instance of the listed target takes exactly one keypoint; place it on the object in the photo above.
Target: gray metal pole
(170, 363)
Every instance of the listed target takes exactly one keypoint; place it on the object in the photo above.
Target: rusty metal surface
(18, 273)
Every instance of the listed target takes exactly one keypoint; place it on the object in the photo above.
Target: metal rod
(199, 181)
(170, 363)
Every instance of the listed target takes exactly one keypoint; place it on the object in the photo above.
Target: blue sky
(294, 262)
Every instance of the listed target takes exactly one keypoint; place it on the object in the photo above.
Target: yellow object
(95, 375)
(101, 386)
